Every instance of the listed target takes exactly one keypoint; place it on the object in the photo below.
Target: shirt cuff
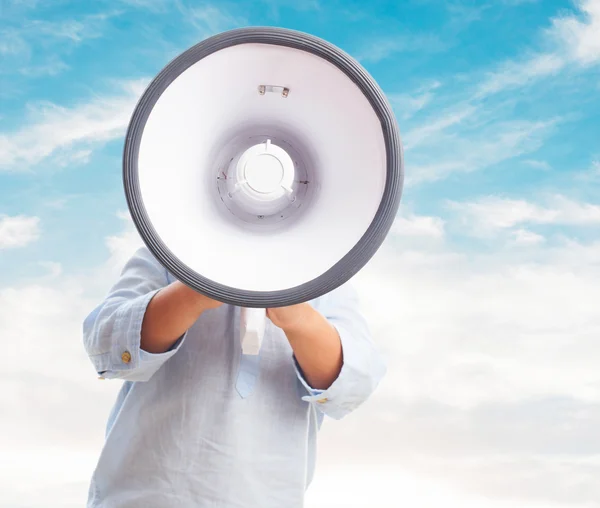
(127, 360)
(337, 400)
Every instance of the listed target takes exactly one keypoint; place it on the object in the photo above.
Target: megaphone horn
(263, 167)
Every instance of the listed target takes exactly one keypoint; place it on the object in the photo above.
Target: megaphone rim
(345, 268)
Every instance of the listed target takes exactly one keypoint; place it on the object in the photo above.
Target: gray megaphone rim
(356, 258)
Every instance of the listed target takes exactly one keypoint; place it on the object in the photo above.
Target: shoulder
(142, 260)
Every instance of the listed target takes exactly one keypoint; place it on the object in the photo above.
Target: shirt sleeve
(112, 331)
(363, 366)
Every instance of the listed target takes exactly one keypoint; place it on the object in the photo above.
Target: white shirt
(203, 425)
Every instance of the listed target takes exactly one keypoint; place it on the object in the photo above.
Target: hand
(290, 318)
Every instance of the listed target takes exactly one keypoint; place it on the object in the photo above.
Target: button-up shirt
(204, 425)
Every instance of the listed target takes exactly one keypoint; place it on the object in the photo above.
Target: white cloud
(407, 105)
(580, 35)
(11, 43)
(72, 157)
(492, 386)
(472, 341)
(18, 231)
(377, 486)
(574, 40)
(54, 269)
(43, 372)
(418, 226)
(123, 245)
(473, 329)
(514, 3)
(69, 132)
(378, 49)
(589, 175)
(73, 30)
(493, 213)
(426, 133)
(205, 18)
(537, 164)
(51, 67)
(210, 19)
(471, 146)
(525, 237)
(152, 5)
(31, 46)
(480, 130)
(516, 74)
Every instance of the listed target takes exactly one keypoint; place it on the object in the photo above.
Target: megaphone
(263, 167)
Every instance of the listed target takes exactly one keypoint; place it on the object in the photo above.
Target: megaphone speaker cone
(263, 167)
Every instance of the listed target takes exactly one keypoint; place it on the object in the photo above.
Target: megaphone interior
(263, 167)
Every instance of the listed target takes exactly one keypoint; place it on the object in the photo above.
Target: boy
(199, 424)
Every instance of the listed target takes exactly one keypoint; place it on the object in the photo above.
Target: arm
(336, 360)
(142, 322)
(315, 341)
(171, 312)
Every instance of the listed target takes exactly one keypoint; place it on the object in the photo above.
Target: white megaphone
(263, 167)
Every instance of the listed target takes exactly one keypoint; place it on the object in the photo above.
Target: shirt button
(126, 357)
(321, 401)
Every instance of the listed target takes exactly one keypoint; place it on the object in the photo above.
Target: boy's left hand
(291, 317)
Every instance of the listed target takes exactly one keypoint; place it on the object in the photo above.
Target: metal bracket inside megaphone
(284, 91)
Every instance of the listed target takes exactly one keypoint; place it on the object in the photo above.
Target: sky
(484, 297)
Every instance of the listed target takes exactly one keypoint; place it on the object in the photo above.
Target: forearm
(317, 348)
(172, 311)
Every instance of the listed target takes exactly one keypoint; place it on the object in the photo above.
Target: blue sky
(62, 61)
(483, 298)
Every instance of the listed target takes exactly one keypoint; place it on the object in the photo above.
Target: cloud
(493, 390)
(590, 175)
(42, 320)
(407, 105)
(209, 19)
(480, 130)
(152, 5)
(469, 146)
(68, 133)
(44, 371)
(31, 47)
(493, 376)
(515, 3)
(90, 27)
(578, 35)
(525, 237)
(537, 164)
(123, 245)
(574, 40)
(426, 132)
(419, 226)
(54, 269)
(18, 231)
(11, 43)
(513, 74)
(51, 67)
(389, 487)
(493, 213)
(377, 49)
